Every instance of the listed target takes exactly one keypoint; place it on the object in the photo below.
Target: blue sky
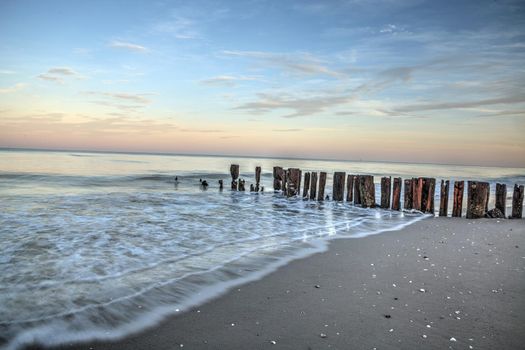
(406, 80)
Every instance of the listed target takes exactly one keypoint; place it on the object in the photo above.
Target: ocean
(100, 245)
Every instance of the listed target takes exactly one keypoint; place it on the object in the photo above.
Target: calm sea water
(98, 245)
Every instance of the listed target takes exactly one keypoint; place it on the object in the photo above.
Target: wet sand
(437, 284)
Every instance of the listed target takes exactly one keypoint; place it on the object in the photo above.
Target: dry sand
(437, 284)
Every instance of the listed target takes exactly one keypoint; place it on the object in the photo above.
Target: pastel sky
(407, 80)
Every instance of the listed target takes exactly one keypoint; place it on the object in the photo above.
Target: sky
(393, 80)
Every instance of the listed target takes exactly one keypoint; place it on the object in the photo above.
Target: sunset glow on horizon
(408, 80)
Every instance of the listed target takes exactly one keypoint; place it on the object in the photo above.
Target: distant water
(98, 245)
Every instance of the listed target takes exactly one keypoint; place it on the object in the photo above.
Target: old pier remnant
(443, 201)
(338, 190)
(293, 180)
(457, 207)
(322, 184)
(396, 194)
(306, 186)
(407, 198)
(477, 199)
(501, 198)
(257, 178)
(350, 188)
(367, 191)
(278, 178)
(234, 172)
(386, 186)
(313, 186)
(517, 202)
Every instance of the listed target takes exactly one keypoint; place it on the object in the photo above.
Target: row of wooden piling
(418, 192)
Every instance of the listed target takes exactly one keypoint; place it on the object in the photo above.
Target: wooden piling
(417, 193)
(293, 182)
(350, 188)
(322, 184)
(457, 208)
(396, 194)
(357, 193)
(234, 172)
(428, 194)
(386, 186)
(278, 177)
(501, 198)
(313, 185)
(407, 198)
(367, 191)
(517, 202)
(443, 201)
(257, 178)
(338, 189)
(306, 186)
(477, 199)
(241, 184)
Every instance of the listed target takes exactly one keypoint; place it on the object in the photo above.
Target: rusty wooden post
(338, 189)
(357, 193)
(322, 184)
(457, 208)
(396, 194)
(234, 172)
(417, 193)
(367, 191)
(501, 198)
(293, 178)
(257, 178)
(278, 177)
(306, 186)
(517, 202)
(350, 188)
(428, 193)
(407, 198)
(443, 200)
(477, 199)
(313, 185)
(386, 188)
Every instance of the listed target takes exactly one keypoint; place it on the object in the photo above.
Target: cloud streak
(14, 88)
(128, 46)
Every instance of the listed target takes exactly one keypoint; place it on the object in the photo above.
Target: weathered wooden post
(407, 198)
(357, 193)
(386, 185)
(477, 199)
(501, 198)
(427, 198)
(322, 184)
(517, 202)
(241, 184)
(234, 172)
(417, 193)
(367, 191)
(221, 184)
(443, 201)
(338, 190)
(457, 207)
(306, 186)
(313, 185)
(277, 178)
(293, 178)
(350, 188)
(396, 194)
(257, 178)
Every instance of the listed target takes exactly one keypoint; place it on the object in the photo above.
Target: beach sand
(438, 284)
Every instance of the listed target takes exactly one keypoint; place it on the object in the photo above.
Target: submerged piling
(257, 178)
(234, 172)
(477, 199)
(350, 188)
(306, 186)
(457, 208)
(428, 193)
(293, 182)
(357, 193)
(313, 185)
(443, 201)
(417, 193)
(338, 186)
(278, 177)
(367, 191)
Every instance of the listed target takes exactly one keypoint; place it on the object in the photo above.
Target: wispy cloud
(138, 98)
(14, 88)
(287, 130)
(227, 80)
(179, 27)
(58, 74)
(128, 46)
(462, 104)
(295, 63)
(7, 71)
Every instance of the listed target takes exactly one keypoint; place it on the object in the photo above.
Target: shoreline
(438, 283)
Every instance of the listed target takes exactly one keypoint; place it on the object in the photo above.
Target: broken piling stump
(367, 192)
(350, 188)
(322, 184)
(234, 172)
(477, 199)
(417, 193)
(517, 202)
(338, 186)
(443, 201)
(306, 185)
(357, 193)
(407, 198)
(293, 179)
(313, 185)
(386, 183)
(501, 198)
(396, 194)
(278, 177)
(428, 193)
